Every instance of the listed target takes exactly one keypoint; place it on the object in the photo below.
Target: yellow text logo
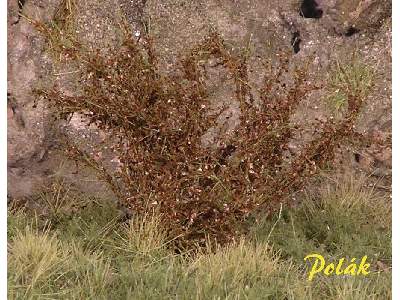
(341, 268)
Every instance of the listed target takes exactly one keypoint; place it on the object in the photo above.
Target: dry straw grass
(70, 260)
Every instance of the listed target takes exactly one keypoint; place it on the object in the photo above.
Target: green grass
(349, 79)
(89, 254)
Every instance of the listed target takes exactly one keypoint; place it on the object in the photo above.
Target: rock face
(28, 135)
(260, 26)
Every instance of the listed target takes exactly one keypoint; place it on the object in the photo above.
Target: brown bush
(157, 122)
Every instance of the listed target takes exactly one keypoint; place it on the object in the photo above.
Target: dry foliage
(60, 32)
(159, 120)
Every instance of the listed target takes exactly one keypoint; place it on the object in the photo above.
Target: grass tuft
(91, 255)
(37, 258)
(346, 80)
